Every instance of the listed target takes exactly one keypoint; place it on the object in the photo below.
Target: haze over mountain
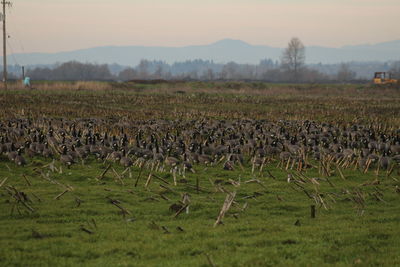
(222, 52)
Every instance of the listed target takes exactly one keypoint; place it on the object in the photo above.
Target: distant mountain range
(220, 52)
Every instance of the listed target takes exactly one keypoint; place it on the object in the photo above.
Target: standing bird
(125, 161)
(186, 164)
(11, 154)
(384, 161)
(115, 155)
(47, 153)
(171, 161)
(19, 159)
(65, 158)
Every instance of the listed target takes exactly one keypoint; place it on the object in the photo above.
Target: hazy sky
(62, 25)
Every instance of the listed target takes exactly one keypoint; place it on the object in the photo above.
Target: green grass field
(262, 234)
(269, 223)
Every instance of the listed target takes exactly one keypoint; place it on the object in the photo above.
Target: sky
(65, 25)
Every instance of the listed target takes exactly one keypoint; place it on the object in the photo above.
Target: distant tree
(208, 75)
(273, 75)
(223, 74)
(293, 58)
(230, 71)
(263, 66)
(168, 75)
(266, 63)
(158, 74)
(313, 75)
(247, 72)
(143, 69)
(127, 74)
(395, 69)
(72, 71)
(192, 75)
(39, 73)
(82, 72)
(11, 76)
(345, 74)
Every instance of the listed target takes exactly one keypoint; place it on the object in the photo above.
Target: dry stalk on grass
(225, 207)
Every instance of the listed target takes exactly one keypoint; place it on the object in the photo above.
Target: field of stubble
(202, 174)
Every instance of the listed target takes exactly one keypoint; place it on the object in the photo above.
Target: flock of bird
(185, 144)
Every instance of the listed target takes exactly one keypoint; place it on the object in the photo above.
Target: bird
(187, 165)
(47, 153)
(229, 165)
(384, 161)
(19, 159)
(12, 153)
(115, 155)
(171, 161)
(65, 158)
(125, 161)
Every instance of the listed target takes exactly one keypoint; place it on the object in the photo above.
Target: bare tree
(293, 57)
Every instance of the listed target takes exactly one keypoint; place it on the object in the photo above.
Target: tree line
(291, 68)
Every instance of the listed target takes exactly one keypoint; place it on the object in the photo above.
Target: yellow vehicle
(384, 78)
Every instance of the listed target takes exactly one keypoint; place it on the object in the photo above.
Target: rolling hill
(222, 51)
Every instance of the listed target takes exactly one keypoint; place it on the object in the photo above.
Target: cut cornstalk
(104, 172)
(3, 182)
(181, 210)
(61, 194)
(369, 161)
(287, 164)
(340, 172)
(118, 176)
(148, 181)
(174, 175)
(225, 207)
(138, 177)
(26, 180)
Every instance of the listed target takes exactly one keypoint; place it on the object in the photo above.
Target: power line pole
(5, 3)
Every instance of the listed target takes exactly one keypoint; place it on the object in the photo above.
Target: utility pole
(5, 3)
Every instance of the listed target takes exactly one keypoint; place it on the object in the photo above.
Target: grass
(264, 234)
